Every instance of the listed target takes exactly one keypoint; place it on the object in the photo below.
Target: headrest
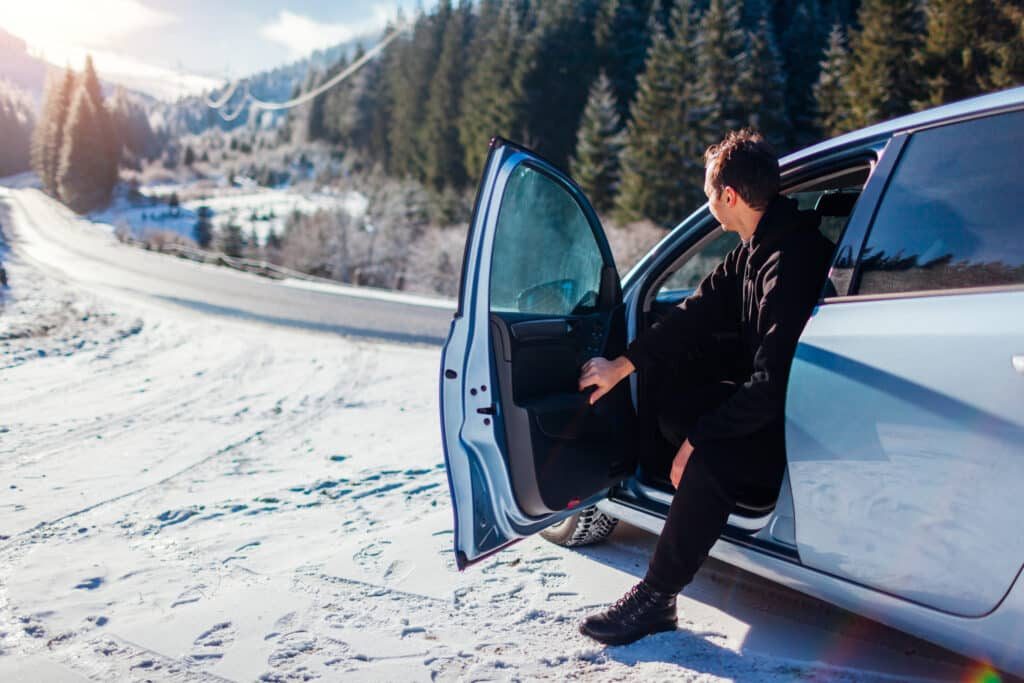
(836, 203)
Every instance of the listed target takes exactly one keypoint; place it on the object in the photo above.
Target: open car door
(539, 296)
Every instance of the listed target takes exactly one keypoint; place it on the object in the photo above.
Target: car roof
(990, 103)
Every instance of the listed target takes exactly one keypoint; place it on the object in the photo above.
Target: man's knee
(699, 475)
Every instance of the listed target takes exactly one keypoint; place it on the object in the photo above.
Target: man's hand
(679, 463)
(604, 374)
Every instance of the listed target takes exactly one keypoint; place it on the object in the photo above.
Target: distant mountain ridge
(192, 115)
(27, 73)
(21, 69)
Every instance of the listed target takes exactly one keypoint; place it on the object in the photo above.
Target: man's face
(719, 202)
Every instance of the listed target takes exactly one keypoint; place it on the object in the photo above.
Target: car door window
(546, 259)
(952, 214)
(701, 262)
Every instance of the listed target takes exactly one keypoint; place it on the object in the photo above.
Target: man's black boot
(640, 612)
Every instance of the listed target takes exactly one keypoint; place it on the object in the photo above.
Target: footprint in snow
(190, 595)
(291, 646)
(212, 643)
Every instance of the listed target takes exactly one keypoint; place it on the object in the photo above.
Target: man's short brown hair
(748, 164)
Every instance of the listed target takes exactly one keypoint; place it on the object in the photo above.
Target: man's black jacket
(764, 292)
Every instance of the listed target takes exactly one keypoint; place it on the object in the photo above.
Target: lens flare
(984, 674)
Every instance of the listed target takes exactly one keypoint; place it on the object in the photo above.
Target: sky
(190, 44)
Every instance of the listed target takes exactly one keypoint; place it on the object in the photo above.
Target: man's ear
(729, 196)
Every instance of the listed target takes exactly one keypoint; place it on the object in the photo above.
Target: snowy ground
(189, 497)
(257, 210)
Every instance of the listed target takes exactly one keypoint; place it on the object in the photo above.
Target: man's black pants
(717, 475)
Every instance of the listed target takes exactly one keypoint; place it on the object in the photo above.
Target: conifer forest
(625, 95)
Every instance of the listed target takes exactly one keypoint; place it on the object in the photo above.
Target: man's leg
(699, 511)
(696, 517)
(714, 477)
(678, 408)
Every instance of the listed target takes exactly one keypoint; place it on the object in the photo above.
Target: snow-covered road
(191, 497)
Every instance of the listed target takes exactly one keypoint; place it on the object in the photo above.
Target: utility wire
(217, 104)
(251, 102)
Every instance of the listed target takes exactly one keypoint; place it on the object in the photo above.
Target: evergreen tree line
(627, 94)
(78, 142)
(16, 124)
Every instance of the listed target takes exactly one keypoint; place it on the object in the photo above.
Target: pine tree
(111, 155)
(202, 232)
(317, 125)
(233, 241)
(49, 135)
(883, 82)
(830, 91)
(600, 142)
(302, 120)
(802, 45)
(16, 125)
(111, 144)
(621, 40)
(443, 153)
(81, 178)
(1004, 45)
(721, 59)
(91, 82)
(558, 64)
(661, 169)
(415, 61)
(951, 58)
(762, 85)
(351, 106)
(39, 151)
(492, 100)
(374, 108)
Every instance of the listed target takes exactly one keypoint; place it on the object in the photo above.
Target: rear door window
(952, 215)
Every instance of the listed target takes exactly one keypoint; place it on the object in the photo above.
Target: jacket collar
(780, 219)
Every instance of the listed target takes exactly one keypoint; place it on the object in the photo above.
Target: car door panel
(910, 482)
(550, 427)
(905, 417)
(523, 446)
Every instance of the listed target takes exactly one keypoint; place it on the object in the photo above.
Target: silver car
(905, 404)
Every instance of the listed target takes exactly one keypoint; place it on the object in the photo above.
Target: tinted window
(546, 258)
(704, 260)
(952, 214)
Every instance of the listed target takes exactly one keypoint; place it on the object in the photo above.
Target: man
(726, 415)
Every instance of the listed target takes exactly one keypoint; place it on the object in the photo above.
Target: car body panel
(907, 483)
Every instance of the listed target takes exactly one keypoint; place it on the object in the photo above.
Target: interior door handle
(541, 329)
(1018, 363)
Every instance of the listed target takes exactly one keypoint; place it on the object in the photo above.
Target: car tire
(589, 526)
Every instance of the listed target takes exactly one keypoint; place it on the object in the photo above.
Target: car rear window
(952, 214)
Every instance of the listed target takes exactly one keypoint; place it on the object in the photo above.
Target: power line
(251, 102)
(217, 104)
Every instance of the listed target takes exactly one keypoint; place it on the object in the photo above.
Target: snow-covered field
(189, 497)
(256, 210)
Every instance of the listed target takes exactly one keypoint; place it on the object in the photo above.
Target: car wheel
(589, 526)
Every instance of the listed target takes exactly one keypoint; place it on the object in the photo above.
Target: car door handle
(1018, 363)
(533, 330)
